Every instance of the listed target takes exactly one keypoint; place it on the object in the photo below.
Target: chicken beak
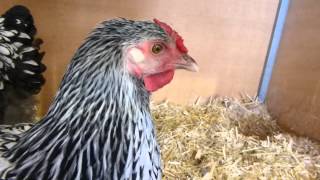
(188, 63)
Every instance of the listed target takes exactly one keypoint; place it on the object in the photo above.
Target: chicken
(20, 65)
(99, 125)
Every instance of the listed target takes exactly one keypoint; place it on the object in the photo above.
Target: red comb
(174, 35)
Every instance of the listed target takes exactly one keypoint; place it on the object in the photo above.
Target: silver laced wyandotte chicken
(20, 65)
(99, 126)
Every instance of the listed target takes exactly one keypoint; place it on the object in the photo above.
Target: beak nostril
(187, 63)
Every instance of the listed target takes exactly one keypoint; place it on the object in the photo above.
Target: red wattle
(157, 81)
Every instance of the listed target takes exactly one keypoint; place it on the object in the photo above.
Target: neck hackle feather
(99, 125)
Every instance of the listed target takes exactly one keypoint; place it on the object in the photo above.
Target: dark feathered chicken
(20, 62)
(99, 126)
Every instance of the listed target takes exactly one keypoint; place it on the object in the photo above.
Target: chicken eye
(157, 48)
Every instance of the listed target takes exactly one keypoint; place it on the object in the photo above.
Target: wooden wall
(228, 38)
(294, 93)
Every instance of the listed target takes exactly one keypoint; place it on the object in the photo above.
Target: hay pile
(230, 139)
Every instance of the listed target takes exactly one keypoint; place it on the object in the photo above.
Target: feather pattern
(16, 47)
(20, 65)
(99, 126)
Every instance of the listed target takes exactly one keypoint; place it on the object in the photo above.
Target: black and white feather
(20, 58)
(99, 126)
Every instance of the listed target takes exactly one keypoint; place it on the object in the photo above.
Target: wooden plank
(294, 94)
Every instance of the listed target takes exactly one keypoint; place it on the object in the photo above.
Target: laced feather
(20, 65)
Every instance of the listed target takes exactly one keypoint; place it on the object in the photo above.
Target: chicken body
(20, 66)
(99, 126)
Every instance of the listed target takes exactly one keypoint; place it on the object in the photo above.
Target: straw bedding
(230, 139)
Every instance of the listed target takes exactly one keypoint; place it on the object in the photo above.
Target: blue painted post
(273, 49)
